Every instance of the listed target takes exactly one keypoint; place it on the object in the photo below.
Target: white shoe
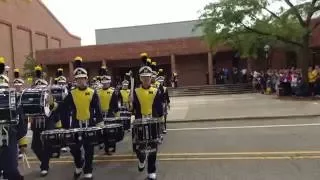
(64, 149)
(44, 173)
(88, 176)
(20, 156)
(141, 166)
(152, 176)
(78, 170)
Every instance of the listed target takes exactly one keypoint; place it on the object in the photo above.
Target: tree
(28, 67)
(246, 25)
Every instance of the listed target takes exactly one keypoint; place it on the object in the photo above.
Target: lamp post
(7, 70)
(267, 50)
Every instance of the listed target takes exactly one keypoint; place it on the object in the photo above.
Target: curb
(242, 118)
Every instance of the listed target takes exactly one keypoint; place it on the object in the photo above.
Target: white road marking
(245, 127)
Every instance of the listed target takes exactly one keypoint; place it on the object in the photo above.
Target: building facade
(176, 47)
(27, 26)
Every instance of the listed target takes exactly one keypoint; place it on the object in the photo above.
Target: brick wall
(28, 26)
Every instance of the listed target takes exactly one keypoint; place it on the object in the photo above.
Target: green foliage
(28, 67)
(251, 24)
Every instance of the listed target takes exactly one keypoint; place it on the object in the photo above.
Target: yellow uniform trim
(146, 98)
(23, 141)
(105, 96)
(82, 100)
(125, 94)
(312, 76)
(59, 124)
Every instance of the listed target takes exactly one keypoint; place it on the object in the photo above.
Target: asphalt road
(287, 149)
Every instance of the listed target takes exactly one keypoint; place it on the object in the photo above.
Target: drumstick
(25, 158)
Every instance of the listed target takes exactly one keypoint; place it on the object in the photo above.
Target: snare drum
(113, 132)
(92, 135)
(112, 120)
(59, 93)
(126, 120)
(35, 102)
(8, 107)
(71, 137)
(146, 130)
(52, 138)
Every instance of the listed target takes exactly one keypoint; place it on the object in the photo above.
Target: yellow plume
(2, 60)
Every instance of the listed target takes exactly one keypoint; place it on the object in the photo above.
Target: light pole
(267, 50)
(7, 70)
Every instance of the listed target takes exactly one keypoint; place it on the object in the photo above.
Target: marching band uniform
(108, 102)
(61, 80)
(147, 102)
(8, 154)
(42, 153)
(125, 95)
(165, 96)
(84, 104)
(18, 83)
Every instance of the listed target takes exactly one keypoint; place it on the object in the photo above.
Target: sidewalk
(234, 107)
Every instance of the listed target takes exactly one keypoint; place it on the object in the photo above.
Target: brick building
(174, 46)
(27, 26)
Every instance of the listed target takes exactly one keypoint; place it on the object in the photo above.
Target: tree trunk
(304, 57)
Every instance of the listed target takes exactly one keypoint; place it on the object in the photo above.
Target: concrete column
(70, 71)
(173, 63)
(210, 68)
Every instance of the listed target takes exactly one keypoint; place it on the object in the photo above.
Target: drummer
(165, 96)
(124, 94)
(61, 81)
(84, 102)
(42, 153)
(142, 107)
(8, 154)
(18, 85)
(108, 102)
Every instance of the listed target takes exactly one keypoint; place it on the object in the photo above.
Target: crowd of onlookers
(283, 82)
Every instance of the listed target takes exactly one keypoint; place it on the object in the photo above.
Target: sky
(82, 17)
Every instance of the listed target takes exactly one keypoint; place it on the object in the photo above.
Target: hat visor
(105, 81)
(145, 74)
(125, 84)
(17, 84)
(4, 85)
(81, 76)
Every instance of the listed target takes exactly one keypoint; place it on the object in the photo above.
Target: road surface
(282, 149)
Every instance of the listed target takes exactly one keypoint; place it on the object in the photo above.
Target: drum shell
(70, 137)
(8, 108)
(126, 123)
(32, 102)
(92, 136)
(146, 132)
(51, 140)
(113, 133)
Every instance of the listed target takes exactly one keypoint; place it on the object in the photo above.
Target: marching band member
(154, 83)
(8, 154)
(165, 97)
(61, 81)
(42, 153)
(84, 103)
(147, 102)
(125, 94)
(108, 102)
(18, 85)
